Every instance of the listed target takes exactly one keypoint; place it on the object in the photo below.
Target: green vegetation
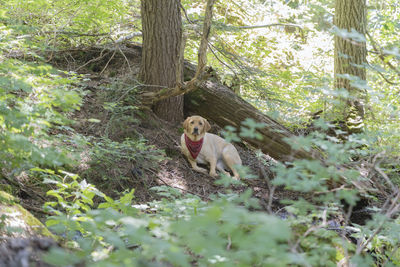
(285, 69)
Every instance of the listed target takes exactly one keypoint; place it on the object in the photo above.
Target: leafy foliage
(73, 23)
(108, 160)
(182, 229)
(283, 69)
(34, 98)
(158, 232)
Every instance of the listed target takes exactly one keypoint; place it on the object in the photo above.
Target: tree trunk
(162, 35)
(350, 57)
(220, 104)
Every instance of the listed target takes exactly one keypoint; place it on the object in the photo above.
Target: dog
(205, 148)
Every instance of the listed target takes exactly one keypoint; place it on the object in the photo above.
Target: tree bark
(220, 104)
(350, 56)
(162, 35)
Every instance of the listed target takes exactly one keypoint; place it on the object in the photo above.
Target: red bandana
(194, 147)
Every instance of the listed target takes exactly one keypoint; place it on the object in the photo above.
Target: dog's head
(196, 126)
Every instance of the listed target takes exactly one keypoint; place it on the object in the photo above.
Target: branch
(265, 26)
(202, 56)
(129, 36)
(382, 75)
(186, 14)
(387, 216)
(381, 54)
(80, 34)
(181, 59)
(149, 98)
(221, 61)
(94, 59)
(75, 34)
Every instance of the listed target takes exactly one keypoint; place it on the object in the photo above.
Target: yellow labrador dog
(202, 147)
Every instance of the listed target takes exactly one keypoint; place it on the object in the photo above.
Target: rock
(23, 238)
(15, 221)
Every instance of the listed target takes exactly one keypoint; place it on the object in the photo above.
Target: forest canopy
(307, 91)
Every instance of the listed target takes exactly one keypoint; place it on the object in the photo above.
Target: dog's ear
(186, 124)
(207, 126)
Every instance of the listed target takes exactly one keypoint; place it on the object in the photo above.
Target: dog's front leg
(213, 165)
(197, 168)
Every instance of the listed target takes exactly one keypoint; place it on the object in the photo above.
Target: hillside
(93, 95)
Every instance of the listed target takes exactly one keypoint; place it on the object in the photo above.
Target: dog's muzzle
(196, 130)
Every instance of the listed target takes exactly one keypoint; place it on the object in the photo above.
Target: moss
(6, 198)
(33, 223)
(12, 210)
(6, 188)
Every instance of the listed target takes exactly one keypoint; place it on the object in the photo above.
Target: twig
(394, 208)
(381, 55)
(181, 58)
(24, 188)
(76, 34)
(343, 234)
(263, 26)
(184, 190)
(383, 76)
(108, 62)
(126, 59)
(202, 55)
(387, 179)
(186, 15)
(232, 57)
(127, 37)
(221, 61)
(342, 187)
(228, 246)
(271, 188)
(379, 170)
(94, 59)
(309, 231)
(125, 93)
(26, 206)
(391, 255)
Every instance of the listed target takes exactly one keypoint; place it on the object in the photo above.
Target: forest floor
(175, 171)
(109, 79)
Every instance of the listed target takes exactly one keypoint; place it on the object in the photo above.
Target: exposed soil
(104, 72)
(175, 171)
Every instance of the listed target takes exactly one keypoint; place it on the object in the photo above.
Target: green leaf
(61, 257)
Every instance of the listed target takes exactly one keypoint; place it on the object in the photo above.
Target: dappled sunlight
(90, 144)
(172, 177)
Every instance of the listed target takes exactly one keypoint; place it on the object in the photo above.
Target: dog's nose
(195, 130)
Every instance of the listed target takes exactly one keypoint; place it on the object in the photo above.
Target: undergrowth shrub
(34, 98)
(113, 163)
(73, 23)
(118, 99)
(231, 229)
(182, 230)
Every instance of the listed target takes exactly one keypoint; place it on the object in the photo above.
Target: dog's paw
(213, 174)
(236, 177)
(201, 170)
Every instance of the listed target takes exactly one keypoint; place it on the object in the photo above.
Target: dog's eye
(200, 123)
(192, 122)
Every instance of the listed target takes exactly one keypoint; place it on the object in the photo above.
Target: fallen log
(218, 103)
(221, 105)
